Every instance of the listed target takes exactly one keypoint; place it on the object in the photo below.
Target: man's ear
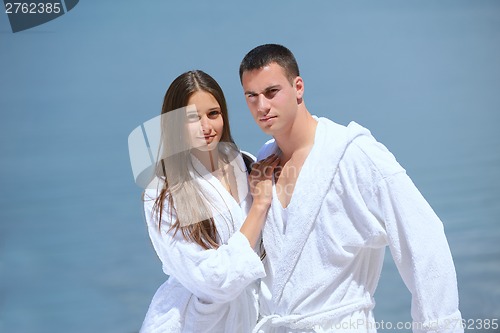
(299, 88)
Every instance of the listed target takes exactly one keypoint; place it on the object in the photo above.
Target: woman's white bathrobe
(208, 291)
(325, 250)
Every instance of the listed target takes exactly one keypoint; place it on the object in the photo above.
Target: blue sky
(424, 76)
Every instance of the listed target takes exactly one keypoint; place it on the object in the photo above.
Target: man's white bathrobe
(325, 250)
(208, 291)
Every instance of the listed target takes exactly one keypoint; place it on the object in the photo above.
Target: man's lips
(266, 118)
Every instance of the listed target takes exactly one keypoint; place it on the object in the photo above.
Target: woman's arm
(214, 275)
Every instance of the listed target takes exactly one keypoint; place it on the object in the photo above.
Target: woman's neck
(209, 159)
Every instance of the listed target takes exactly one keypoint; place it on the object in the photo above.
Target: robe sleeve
(418, 245)
(214, 275)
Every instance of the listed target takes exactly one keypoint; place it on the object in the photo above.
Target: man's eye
(252, 99)
(270, 93)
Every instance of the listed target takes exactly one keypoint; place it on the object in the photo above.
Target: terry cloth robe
(325, 250)
(215, 290)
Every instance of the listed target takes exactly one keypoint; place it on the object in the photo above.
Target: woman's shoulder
(248, 159)
(154, 189)
(151, 194)
(150, 198)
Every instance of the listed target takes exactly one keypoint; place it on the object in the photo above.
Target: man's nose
(262, 104)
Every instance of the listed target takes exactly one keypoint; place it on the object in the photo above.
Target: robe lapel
(312, 185)
(272, 233)
(221, 201)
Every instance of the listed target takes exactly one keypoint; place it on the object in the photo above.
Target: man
(340, 198)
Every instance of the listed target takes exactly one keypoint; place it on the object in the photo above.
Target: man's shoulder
(366, 151)
(341, 137)
(360, 148)
(351, 130)
(267, 149)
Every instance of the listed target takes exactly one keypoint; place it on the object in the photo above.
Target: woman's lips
(206, 137)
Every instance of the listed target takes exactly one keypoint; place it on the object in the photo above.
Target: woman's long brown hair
(174, 168)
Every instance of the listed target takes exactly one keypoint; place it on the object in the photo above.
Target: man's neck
(300, 136)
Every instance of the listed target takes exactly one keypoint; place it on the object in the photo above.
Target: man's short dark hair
(266, 54)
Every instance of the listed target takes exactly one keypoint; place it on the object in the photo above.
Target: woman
(201, 218)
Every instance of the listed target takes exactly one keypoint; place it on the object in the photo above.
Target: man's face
(271, 98)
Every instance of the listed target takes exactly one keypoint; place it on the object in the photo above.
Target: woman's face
(204, 121)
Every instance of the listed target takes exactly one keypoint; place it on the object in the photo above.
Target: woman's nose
(205, 124)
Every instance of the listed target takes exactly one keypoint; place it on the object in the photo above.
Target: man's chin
(268, 130)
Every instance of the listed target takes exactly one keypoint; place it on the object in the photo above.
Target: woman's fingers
(260, 179)
(270, 165)
(264, 168)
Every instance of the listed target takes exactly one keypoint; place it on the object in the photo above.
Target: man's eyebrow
(272, 87)
(265, 90)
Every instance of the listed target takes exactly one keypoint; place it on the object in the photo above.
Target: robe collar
(312, 185)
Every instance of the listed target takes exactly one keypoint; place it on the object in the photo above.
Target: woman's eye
(193, 117)
(214, 114)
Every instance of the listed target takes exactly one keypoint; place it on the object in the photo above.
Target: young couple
(297, 244)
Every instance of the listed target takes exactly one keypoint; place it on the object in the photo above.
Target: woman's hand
(261, 187)
(261, 180)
